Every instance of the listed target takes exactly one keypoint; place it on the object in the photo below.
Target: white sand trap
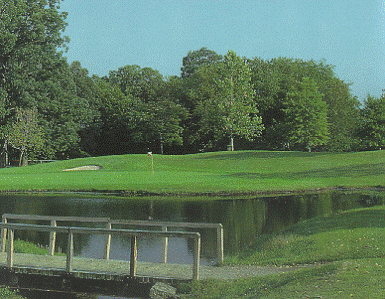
(87, 167)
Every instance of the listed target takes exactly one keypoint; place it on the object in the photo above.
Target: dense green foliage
(266, 104)
(372, 126)
(228, 172)
(6, 293)
(306, 115)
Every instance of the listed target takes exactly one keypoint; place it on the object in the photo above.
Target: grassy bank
(346, 252)
(239, 172)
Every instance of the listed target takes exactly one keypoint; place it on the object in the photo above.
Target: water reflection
(244, 219)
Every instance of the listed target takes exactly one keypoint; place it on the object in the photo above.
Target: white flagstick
(152, 161)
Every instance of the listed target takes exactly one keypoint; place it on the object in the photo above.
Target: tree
(30, 32)
(33, 73)
(141, 83)
(195, 59)
(163, 121)
(230, 109)
(25, 133)
(274, 79)
(3, 110)
(267, 79)
(372, 124)
(114, 128)
(306, 115)
(86, 93)
(343, 115)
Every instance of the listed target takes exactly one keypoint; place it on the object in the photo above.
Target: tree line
(50, 109)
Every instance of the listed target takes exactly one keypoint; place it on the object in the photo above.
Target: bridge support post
(52, 239)
(70, 251)
(197, 256)
(107, 244)
(165, 246)
(220, 244)
(3, 235)
(10, 248)
(134, 256)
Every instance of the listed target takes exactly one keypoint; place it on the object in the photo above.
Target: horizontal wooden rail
(57, 218)
(134, 234)
(53, 221)
(167, 224)
(164, 225)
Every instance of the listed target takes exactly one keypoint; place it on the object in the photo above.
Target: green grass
(345, 253)
(344, 279)
(21, 246)
(354, 234)
(349, 245)
(6, 293)
(240, 172)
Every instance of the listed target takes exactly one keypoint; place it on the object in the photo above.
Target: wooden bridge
(70, 270)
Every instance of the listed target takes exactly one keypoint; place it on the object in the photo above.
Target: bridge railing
(164, 225)
(134, 234)
(53, 222)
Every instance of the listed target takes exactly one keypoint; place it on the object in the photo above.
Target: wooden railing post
(107, 244)
(52, 239)
(3, 235)
(220, 244)
(165, 246)
(70, 251)
(134, 256)
(10, 248)
(196, 256)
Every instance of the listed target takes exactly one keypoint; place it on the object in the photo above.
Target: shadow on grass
(344, 171)
(259, 155)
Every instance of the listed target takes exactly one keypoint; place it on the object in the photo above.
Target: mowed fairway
(240, 172)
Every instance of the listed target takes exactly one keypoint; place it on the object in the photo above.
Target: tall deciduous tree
(231, 109)
(141, 83)
(115, 126)
(33, 72)
(195, 59)
(372, 124)
(306, 115)
(30, 33)
(240, 115)
(25, 134)
(163, 122)
(274, 79)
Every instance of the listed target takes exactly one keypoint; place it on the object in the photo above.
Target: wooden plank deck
(113, 269)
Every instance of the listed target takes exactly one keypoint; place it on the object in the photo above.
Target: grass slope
(350, 246)
(241, 171)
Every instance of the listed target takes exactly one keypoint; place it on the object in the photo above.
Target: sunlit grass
(341, 255)
(343, 279)
(243, 171)
(354, 234)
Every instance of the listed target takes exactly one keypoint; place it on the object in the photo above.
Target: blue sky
(349, 34)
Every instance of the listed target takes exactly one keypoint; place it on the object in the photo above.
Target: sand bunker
(87, 167)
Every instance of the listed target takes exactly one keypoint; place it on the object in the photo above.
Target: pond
(244, 219)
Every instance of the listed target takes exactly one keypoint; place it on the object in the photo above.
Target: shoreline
(142, 193)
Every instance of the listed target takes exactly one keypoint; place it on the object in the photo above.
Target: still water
(244, 219)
